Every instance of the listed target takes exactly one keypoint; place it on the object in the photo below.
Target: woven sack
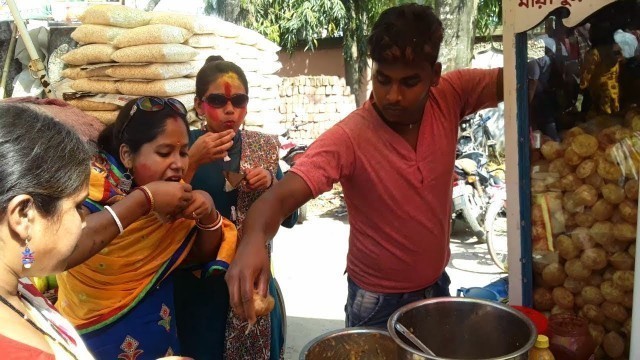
(154, 53)
(115, 15)
(152, 34)
(195, 24)
(96, 34)
(89, 54)
(95, 86)
(88, 105)
(170, 87)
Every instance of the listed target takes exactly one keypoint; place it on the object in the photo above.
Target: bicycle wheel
(472, 212)
(496, 234)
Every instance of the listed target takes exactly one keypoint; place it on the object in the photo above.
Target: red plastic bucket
(539, 320)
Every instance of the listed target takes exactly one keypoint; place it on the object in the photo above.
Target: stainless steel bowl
(351, 344)
(463, 328)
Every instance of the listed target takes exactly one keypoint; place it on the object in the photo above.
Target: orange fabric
(113, 279)
(116, 278)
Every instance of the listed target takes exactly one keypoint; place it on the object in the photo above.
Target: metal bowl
(359, 343)
(463, 328)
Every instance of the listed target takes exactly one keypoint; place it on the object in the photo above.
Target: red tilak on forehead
(227, 89)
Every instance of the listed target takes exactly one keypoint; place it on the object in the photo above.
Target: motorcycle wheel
(472, 210)
(496, 233)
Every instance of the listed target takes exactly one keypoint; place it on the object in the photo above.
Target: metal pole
(35, 65)
(7, 61)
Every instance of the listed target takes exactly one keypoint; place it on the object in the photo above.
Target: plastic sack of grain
(88, 105)
(250, 65)
(269, 68)
(194, 121)
(170, 87)
(154, 53)
(227, 29)
(247, 37)
(105, 117)
(95, 86)
(115, 15)
(197, 65)
(265, 44)
(96, 34)
(204, 53)
(247, 52)
(186, 99)
(159, 71)
(89, 54)
(202, 40)
(152, 34)
(195, 24)
(77, 72)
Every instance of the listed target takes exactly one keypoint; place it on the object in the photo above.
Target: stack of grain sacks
(125, 53)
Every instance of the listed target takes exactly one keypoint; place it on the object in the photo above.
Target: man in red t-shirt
(394, 157)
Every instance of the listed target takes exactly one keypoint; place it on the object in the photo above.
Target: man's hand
(249, 270)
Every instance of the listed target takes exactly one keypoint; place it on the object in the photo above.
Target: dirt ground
(328, 205)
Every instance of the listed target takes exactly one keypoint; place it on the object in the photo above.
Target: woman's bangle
(273, 179)
(210, 227)
(115, 217)
(148, 196)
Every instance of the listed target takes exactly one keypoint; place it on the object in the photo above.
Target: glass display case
(572, 122)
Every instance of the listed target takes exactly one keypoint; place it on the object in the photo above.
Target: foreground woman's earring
(125, 182)
(27, 254)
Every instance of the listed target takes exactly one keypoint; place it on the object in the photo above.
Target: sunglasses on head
(152, 103)
(219, 101)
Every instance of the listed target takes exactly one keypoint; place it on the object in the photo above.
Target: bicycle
(496, 228)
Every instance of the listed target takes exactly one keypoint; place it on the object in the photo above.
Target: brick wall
(309, 105)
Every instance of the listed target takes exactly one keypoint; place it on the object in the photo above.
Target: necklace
(35, 326)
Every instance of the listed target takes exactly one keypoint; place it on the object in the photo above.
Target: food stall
(572, 203)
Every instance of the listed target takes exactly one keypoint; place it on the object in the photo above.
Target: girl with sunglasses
(235, 167)
(143, 221)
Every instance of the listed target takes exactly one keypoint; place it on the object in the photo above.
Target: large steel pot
(358, 343)
(463, 328)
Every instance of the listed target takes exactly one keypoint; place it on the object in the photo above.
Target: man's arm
(250, 270)
(270, 210)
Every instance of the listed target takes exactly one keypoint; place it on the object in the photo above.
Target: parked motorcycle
(473, 183)
(474, 132)
(290, 152)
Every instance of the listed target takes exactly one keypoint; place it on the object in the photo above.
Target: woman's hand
(258, 179)
(201, 206)
(170, 198)
(210, 147)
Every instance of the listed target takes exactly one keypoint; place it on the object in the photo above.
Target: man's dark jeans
(366, 308)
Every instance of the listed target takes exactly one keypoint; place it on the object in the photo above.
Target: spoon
(404, 331)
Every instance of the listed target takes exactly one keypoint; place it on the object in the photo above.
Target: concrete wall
(327, 61)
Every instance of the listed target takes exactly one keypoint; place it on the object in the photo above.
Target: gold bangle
(213, 226)
(147, 193)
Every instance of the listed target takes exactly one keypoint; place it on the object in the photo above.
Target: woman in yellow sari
(144, 222)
